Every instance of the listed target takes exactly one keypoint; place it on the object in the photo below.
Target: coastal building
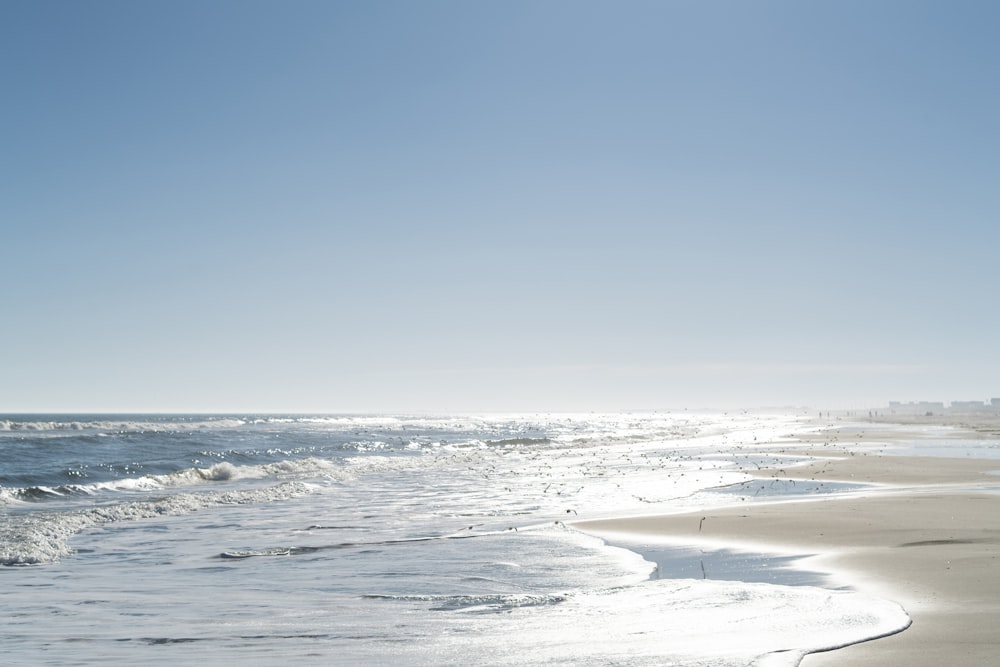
(968, 406)
(917, 407)
(938, 407)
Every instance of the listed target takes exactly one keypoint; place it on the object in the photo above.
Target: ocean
(399, 539)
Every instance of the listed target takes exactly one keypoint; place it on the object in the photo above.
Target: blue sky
(552, 205)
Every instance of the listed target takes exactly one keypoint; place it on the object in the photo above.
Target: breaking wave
(120, 426)
(219, 472)
(38, 538)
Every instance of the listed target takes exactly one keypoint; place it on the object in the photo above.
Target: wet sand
(929, 539)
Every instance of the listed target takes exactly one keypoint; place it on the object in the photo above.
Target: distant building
(968, 406)
(916, 407)
(937, 407)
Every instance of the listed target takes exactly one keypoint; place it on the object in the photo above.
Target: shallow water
(406, 540)
(947, 448)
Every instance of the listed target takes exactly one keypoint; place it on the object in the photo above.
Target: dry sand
(929, 540)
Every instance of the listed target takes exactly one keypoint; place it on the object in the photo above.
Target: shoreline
(927, 537)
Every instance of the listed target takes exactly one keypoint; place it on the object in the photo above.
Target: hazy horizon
(372, 207)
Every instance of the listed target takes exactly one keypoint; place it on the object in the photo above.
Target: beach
(928, 538)
(430, 540)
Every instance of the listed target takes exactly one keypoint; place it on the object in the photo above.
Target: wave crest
(119, 426)
(37, 539)
(219, 472)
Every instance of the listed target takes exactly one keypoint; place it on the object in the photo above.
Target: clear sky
(454, 205)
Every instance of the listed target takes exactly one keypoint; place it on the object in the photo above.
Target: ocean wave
(340, 470)
(219, 472)
(514, 442)
(119, 426)
(487, 603)
(43, 537)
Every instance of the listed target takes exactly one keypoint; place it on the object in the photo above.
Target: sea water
(416, 540)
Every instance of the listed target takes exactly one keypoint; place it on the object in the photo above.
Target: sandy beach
(928, 539)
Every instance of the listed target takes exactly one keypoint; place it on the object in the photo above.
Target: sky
(394, 206)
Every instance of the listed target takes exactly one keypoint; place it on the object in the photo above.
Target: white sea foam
(118, 426)
(679, 622)
(43, 537)
(219, 472)
(225, 471)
